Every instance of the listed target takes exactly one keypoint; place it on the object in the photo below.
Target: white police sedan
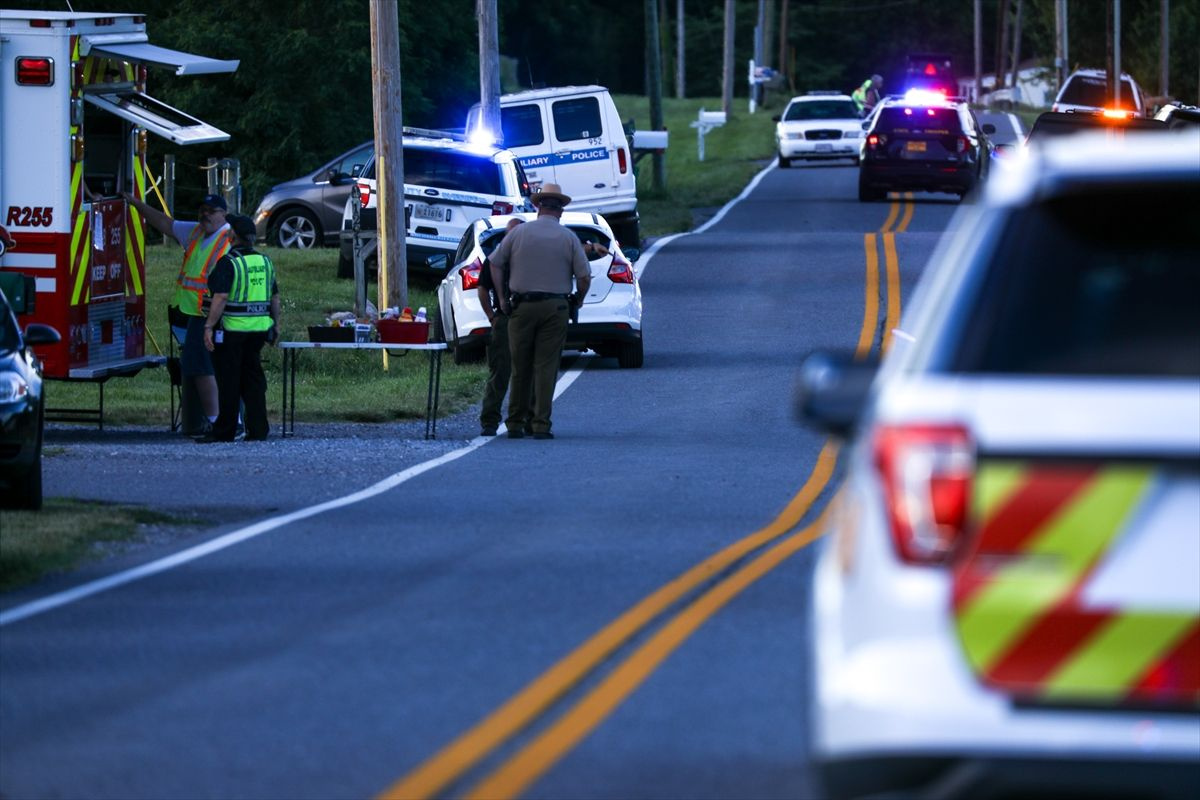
(1008, 603)
(818, 125)
(609, 322)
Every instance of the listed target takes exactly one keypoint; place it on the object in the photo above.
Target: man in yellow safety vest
(204, 242)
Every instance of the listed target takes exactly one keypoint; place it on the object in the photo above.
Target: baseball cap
(214, 201)
(242, 225)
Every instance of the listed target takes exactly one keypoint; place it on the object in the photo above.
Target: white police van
(573, 136)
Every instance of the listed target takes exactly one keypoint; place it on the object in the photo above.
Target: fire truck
(75, 121)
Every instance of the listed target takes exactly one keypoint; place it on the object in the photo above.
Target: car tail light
(501, 207)
(876, 140)
(622, 162)
(620, 271)
(961, 145)
(470, 275)
(364, 194)
(927, 474)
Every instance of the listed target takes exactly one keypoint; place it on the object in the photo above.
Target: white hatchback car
(1008, 603)
(609, 322)
(818, 125)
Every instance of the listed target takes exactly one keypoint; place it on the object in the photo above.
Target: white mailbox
(650, 140)
(703, 124)
(711, 118)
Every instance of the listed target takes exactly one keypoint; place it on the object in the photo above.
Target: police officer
(204, 242)
(242, 317)
(499, 357)
(540, 257)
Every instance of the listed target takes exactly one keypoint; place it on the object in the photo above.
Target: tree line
(302, 93)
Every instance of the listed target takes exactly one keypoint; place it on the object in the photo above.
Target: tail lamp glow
(470, 275)
(501, 207)
(620, 271)
(927, 473)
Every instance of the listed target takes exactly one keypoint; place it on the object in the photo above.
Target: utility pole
(1001, 45)
(1164, 51)
(489, 71)
(389, 156)
(1060, 41)
(1113, 25)
(1016, 52)
(680, 87)
(978, 49)
(727, 61)
(654, 86)
(783, 48)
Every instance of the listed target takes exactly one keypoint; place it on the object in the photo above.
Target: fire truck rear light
(470, 275)
(622, 162)
(35, 71)
(501, 207)
(927, 473)
(620, 272)
(77, 147)
(39, 23)
(141, 141)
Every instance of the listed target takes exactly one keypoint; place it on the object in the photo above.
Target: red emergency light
(930, 69)
(35, 71)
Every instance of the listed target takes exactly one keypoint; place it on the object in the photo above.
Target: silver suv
(448, 184)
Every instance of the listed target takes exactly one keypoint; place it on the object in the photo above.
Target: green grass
(335, 385)
(65, 533)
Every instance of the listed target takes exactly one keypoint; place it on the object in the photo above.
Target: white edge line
(63, 598)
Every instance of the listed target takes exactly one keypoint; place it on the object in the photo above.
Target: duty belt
(527, 297)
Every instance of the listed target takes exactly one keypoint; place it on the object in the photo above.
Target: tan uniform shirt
(541, 256)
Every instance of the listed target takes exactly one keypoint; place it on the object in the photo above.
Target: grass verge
(65, 533)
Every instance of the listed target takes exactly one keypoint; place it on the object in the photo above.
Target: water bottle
(421, 314)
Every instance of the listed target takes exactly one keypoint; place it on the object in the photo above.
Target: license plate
(427, 212)
(914, 147)
(824, 148)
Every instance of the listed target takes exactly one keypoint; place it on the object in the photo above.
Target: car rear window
(1090, 90)
(821, 109)
(577, 118)
(1098, 283)
(918, 119)
(446, 169)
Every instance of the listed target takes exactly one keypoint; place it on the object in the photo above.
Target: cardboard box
(394, 331)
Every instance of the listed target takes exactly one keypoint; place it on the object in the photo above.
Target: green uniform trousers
(537, 331)
(499, 360)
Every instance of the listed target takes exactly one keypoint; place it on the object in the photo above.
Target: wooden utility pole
(654, 87)
(1164, 51)
(389, 155)
(978, 41)
(727, 62)
(1016, 51)
(489, 71)
(680, 84)
(783, 44)
(1060, 43)
(1001, 45)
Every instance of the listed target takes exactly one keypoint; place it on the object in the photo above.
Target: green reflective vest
(249, 305)
(192, 284)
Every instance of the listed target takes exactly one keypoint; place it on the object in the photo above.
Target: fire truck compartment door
(155, 116)
(142, 52)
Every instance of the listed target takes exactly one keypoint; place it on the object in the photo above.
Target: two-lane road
(615, 613)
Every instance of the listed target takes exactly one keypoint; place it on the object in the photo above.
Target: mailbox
(711, 118)
(650, 140)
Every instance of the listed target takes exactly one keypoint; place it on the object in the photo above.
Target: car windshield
(1103, 282)
(10, 336)
(1089, 90)
(821, 109)
(918, 119)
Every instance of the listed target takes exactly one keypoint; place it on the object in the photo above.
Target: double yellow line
(548, 747)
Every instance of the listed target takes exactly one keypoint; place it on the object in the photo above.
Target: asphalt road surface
(617, 613)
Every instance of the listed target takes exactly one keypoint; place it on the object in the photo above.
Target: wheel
(630, 355)
(296, 228)
(26, 493)
(784, 163)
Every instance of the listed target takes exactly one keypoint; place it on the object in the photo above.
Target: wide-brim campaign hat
(549, 190)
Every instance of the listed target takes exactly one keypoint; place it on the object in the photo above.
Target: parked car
(1087, 90)
(610, 320)
(307, 211)
(818, 125)
(1053, 124)
(923, 141)
(22, 409)
(573, 136)
(448, 183)
(1007, 603)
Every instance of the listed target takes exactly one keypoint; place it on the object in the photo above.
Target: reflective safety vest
(249, 305)
(859, 95)
(192, 284)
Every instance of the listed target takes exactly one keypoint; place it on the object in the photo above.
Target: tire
(296, 229)
(784, 163)
(26, 493)
(469, 355)
(630, 355)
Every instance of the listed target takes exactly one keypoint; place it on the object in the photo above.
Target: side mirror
(866, 125)
(633, 254)
(340, 179)
(438, 262)
(832, 391)
(37, 333)
(989, 128)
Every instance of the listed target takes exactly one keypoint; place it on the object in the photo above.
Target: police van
(573, 136)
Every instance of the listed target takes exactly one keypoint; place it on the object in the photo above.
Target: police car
(609, 322)
(1008, 600)
(818, 125)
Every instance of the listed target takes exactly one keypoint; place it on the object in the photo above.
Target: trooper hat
(550, 190)
(214, 201)
(242, 225)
